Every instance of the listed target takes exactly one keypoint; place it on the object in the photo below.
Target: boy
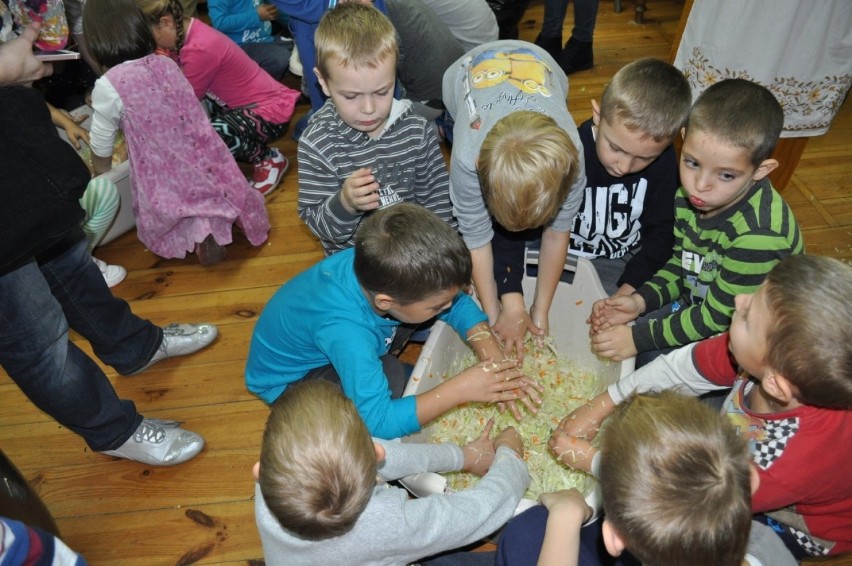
(625, 222)
(731, 227)
(675, 483)
(364, 150)
(793, 340)
(514, 169)
(340, 319)
(317, 500)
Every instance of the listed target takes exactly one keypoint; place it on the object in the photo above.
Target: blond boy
(317, 499)
(364, 150)
(793, 341)
(625, 222)
(515, 174)
(731, 228)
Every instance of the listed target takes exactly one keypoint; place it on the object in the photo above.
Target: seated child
(514, 167)
(364, 150)
(793, 340)
(731, 227)
(626, 220)
(675, 484)
(317, 500)
(249, 24)
(250, 108)
(188, 191)
(340, 319)
(100, 199)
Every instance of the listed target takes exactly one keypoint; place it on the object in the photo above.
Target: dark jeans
(38, 303)
(274, 57)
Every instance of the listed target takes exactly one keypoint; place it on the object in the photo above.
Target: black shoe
(552, 45)
(577, 56)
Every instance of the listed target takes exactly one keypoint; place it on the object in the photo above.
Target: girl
(250, 107)
(187, 189)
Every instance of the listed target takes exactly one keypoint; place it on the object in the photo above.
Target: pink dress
(185, 183)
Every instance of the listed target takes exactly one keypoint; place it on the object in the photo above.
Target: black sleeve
(508, 250)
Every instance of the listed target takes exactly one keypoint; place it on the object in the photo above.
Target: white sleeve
(675, 370)
(108, 110)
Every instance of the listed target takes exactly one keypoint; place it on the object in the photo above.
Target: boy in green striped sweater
(731, 228)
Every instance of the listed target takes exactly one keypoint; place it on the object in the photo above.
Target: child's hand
(616, 343)
(360, 191)
(510, 438)
(267, 12)
(585, 421)
(74, 131)
(615, 310)
(479, 453)
(512, 324)
(568, 503)
(574, 452)
(499, 382)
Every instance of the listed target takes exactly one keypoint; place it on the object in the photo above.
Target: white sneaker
(159, 443)
(113, 274)
(295, 63)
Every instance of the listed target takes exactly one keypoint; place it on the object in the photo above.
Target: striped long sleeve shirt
(406, 160)
(714, 260)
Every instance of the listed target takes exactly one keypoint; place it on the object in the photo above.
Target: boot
(552, 45)
(577, 56)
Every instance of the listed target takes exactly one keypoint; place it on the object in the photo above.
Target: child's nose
(368, 106)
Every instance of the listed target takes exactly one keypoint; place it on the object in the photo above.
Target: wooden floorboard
(120, 512)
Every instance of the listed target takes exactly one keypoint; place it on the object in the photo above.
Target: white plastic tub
(444, 352)
(120, 175)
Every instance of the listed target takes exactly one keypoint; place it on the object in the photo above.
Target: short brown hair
(742, 113)
(648, 96)
(317, 461)
(354, 34)
(117, 31)
(526, 166)
(410, 254)
(810, 339)
(675, 481)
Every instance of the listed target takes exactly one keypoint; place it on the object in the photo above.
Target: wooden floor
(121, 512)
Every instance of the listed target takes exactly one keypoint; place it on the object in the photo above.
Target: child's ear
(596, 113)
(321, 80)
(683, 133)
(380, 452)
(256, 470)
(613, 541)
(764, 169)
(778, 387)
(166, 20)
(383, 302)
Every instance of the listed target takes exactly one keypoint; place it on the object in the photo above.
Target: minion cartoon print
(519, 67)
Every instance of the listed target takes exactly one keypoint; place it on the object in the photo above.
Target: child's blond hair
(156, 9)
(317, 462)
(810, 339)
(356, 35)
(741, 113)
(526, 166)
(675, 481)
(648, 96)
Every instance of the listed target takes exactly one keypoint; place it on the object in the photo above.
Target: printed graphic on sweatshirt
(389, 177)
(608, 223)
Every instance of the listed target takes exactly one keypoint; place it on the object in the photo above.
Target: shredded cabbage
(565, 388)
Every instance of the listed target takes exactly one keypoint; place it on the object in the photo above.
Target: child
(339, 319)
(363, 150)
(731, 227)
(250, 107)
(625, 222)
(793, 340)
(249, 24)
(317, 500)
(100, 199)
(514, 161)
(675, 484)
(187, 190)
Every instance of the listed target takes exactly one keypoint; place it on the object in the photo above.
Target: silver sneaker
(180, 340)
(159, 443)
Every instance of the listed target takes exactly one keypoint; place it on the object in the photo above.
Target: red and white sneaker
(269, 172)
